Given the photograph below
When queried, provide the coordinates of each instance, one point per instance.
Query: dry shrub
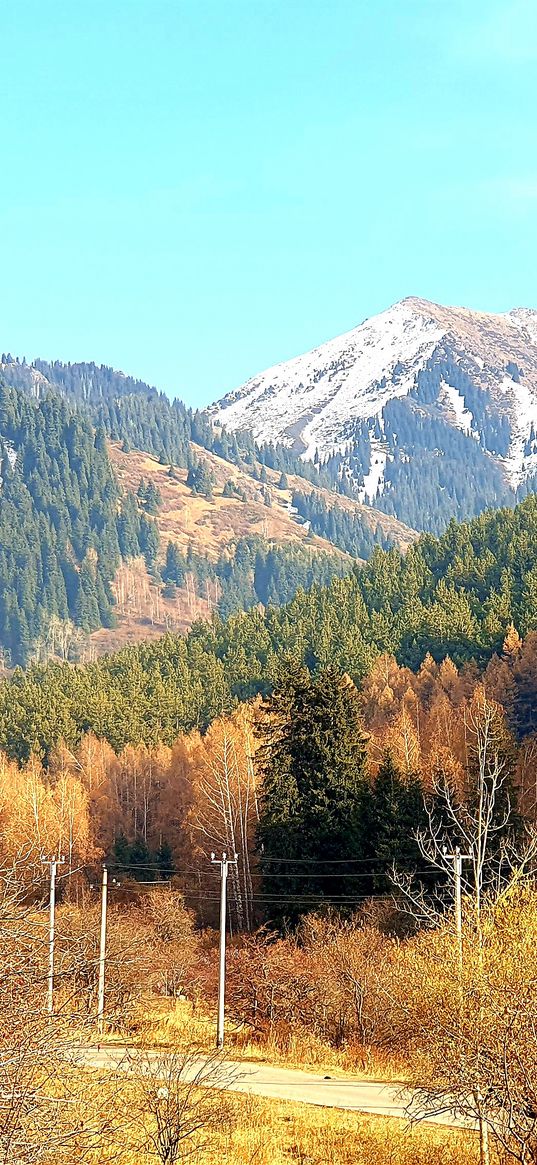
(309, 996)
(178, 1106)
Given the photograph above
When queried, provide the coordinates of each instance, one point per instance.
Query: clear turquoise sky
(192, 190)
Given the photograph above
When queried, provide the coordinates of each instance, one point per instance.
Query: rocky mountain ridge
(416, 384)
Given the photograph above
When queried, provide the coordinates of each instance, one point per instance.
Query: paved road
(284, 1084)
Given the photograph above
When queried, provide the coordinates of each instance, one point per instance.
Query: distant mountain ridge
(125, 513)
(406, 402)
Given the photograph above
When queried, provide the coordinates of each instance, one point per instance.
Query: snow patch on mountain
(523, 414)
(451, 397)
(373, 486)
(11, 453)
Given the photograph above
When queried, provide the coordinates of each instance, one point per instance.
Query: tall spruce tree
(394, 810)
(313, 760)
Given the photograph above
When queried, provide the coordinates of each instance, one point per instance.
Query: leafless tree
(180, 1105)
(42, 1117)
(227, 808)
(478, 819)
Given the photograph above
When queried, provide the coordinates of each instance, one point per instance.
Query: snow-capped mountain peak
(307, 401)
(397, 386)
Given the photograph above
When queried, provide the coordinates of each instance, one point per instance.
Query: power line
(342, 875)
(172, 872)
(262, 860)
(322, 861)
(312, 898)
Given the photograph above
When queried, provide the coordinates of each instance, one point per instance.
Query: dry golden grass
(169, 1023)
(272, 1132)
(255, 1131)
(209, 525)
(279, 1132)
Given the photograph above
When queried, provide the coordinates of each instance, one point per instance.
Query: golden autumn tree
(403, 743)
(225, 813)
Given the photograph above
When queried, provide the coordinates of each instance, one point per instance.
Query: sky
(193, 190)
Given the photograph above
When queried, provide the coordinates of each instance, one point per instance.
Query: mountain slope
(61, 526)
(210, 532)
(390, 400)
(211, 523)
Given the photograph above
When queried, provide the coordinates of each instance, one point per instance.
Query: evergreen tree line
(490, 428)
(251, 571)
(63, 527)
(435, 472)
(454, 596)
(344, 529)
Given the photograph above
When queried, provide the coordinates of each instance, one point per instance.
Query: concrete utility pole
(457, 858)
(102, 952)
(53, 864)
(223, 863)
(102, 949)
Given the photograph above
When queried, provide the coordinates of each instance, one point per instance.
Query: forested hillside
(453, 596)
(67, 522)
(63, 525)
(184, 521)
(231, 538)
(143, 418)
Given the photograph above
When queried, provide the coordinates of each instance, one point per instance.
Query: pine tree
(164, 860)
(153, 498)
(313, 760)
(128, 527)
(395, 811)
(149, 541)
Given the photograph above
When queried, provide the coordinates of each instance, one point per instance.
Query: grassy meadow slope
(210, 525)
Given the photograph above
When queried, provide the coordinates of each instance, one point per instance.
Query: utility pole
(102, 952)
(53, 864)
(457, 858)
(223, 863)
(102, 949)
